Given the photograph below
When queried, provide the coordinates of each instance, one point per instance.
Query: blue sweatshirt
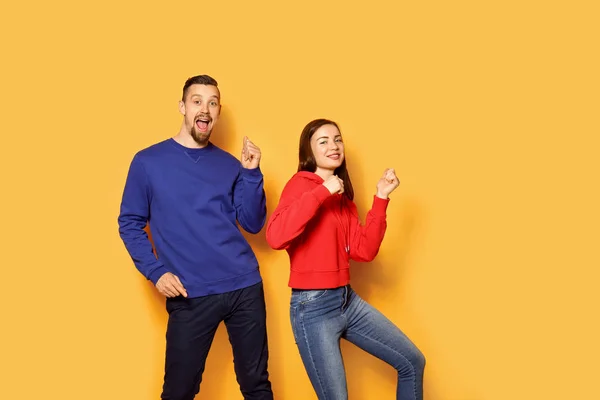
(191, 199)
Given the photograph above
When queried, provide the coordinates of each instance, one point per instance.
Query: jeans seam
(397, 352)
(294, 318)
(321, 387)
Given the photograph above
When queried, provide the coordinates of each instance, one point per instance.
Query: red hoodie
(322, 232)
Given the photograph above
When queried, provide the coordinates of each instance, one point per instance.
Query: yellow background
(488, 110)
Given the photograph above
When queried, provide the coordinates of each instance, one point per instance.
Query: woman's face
(327, 147)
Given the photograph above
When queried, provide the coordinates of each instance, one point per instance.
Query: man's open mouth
(202, 123)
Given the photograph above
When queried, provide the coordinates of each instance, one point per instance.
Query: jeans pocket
(174, 304)
(312, 295)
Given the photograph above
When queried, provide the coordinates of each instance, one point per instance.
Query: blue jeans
(321, 317)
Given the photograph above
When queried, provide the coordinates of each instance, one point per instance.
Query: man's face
(201, 110)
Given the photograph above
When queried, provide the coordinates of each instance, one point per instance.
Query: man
(192, 193)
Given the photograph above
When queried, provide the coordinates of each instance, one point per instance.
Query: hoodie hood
(310, 176)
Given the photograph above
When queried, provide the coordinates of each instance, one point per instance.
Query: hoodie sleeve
(298, 204)
(366, 239)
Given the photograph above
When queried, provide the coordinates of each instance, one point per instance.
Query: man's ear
(181, 107)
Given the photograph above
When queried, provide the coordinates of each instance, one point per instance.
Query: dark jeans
(190, 332)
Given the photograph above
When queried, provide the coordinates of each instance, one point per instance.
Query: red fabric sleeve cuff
(380, 206)
(321, 193)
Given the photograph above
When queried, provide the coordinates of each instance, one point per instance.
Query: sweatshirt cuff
(321, 193)
(157, 273)
(254, 174)
(380, 206)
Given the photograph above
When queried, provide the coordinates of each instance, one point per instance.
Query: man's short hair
(198, 80)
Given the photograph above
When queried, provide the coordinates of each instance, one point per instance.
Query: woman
(317, 222)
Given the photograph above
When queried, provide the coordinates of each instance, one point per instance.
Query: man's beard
(200, 137)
